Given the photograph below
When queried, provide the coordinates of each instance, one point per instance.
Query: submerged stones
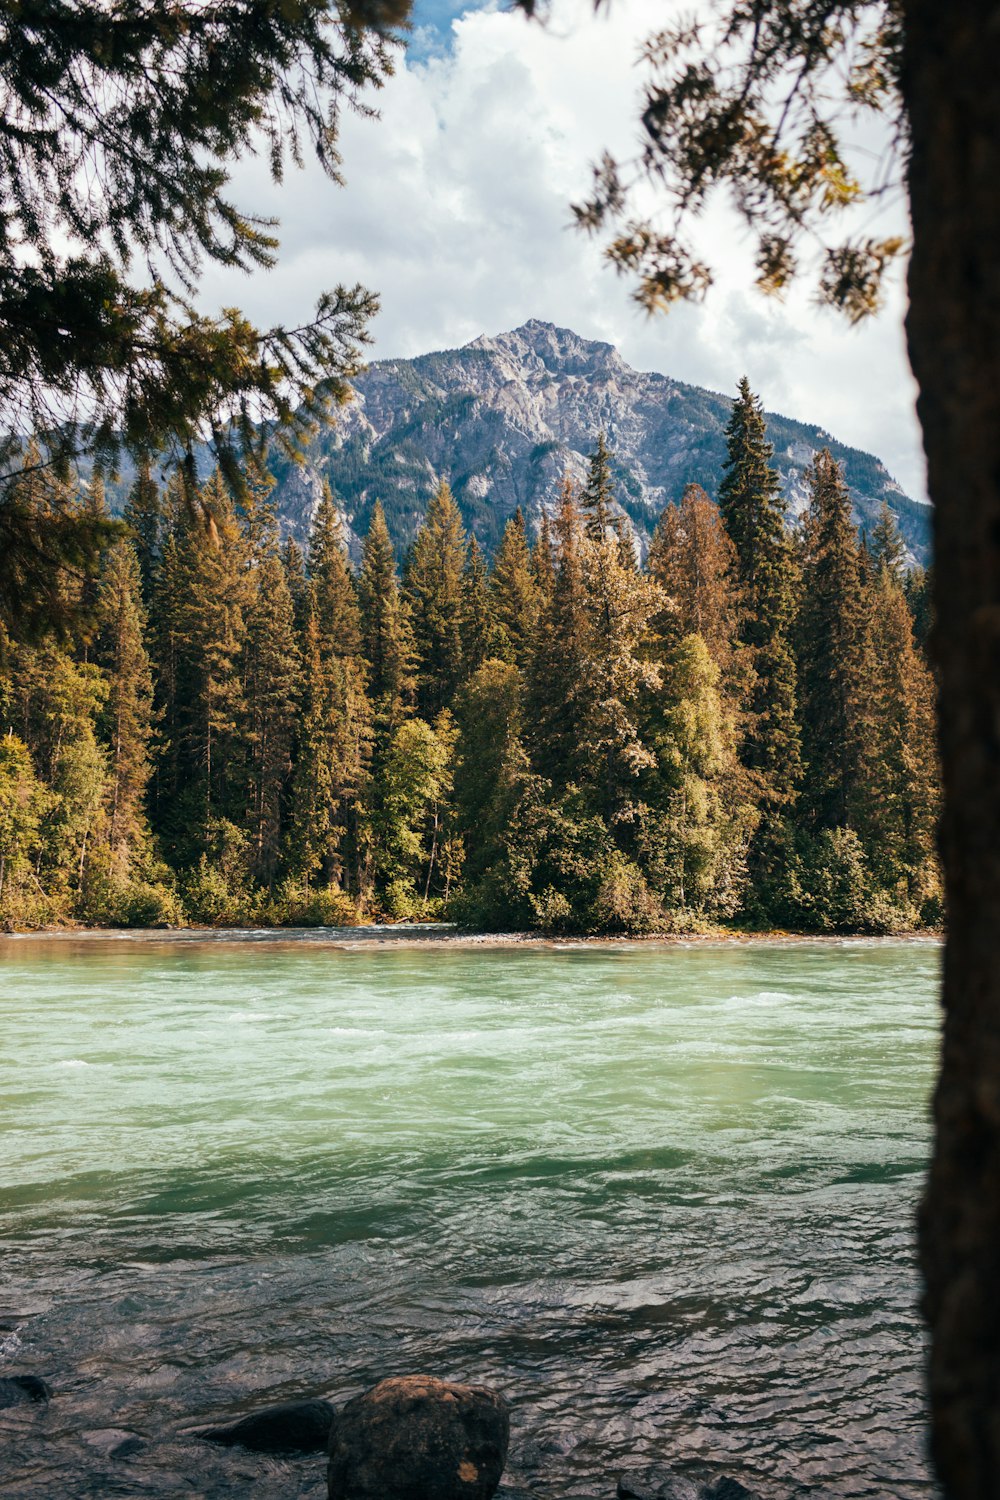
(290, 1427)
(19, 1390)
(652, 1484)
(419, 1438)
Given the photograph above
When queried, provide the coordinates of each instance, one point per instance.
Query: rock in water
(292, 1427)
(417, 1438)
(656, 1485)
(15, 1390)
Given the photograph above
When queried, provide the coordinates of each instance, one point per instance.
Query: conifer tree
(127, 710)
(166, 639)
(143, 515)
(542, 565)
(694, 561)
(836, 671)
(490, 761)
(515, 595)
(611, 753)
(271, 676)
(598, 495)
(334, 749)
(558, 670)
(478, 630)
(433, 588)
(751, 506)
(23, 804)
(905, 800)
(294, 563)
(387, 639)
(918, 589)
(887, 548)
(212, 593)
(694, 834)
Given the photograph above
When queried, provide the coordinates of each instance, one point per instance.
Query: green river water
(661, 1196)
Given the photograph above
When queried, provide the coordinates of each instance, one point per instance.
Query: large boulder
(291, 1427)
(418, 1438)
(17, 1390)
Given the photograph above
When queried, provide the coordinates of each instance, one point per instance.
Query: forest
(211, 728)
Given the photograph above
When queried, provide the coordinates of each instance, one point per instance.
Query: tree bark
(952, 94)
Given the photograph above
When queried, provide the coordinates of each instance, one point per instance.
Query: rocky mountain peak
(505, 417)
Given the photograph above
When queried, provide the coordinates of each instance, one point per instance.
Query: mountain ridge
(505, 416)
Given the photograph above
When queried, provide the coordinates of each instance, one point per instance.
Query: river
(660, 1195)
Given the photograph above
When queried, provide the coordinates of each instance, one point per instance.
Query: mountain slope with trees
(503, 419)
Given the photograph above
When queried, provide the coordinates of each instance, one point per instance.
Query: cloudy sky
(456, 211)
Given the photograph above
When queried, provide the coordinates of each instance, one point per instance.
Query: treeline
(217, 729)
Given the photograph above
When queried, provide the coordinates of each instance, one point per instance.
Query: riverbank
(444, 934)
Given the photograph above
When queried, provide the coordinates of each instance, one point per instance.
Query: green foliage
(608, 746)
(754, 100)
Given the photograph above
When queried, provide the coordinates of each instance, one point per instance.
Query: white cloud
(457, 211)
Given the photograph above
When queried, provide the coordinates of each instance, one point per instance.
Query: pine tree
(387, 639)
(128, 708)
(751, 506)
(836, 668)
(433, 589)
(515, 595)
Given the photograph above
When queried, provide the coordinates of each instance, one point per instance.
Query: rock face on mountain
(503, 419)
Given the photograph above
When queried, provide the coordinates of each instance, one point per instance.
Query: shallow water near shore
(661, 1196)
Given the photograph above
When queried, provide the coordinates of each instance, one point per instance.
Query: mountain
(504, 418)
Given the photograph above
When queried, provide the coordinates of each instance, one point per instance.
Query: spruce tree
(490, 762)
(598, 495)
(478, 630)
(836, 668)
(294, 562)
(387, 638)
(127, 711)
(618, 676)
(887, 548)
(557, 673)
(751, 506)
(905, 801)
(433, 588)
(515, 595)
(333, 758)
(143, 515)
(542, 564)
(271, 676)
(208, 629)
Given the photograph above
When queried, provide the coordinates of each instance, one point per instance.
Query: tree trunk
(952, 92)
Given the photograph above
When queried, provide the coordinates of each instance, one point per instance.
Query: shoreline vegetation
(447, 935)
(736, 731)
